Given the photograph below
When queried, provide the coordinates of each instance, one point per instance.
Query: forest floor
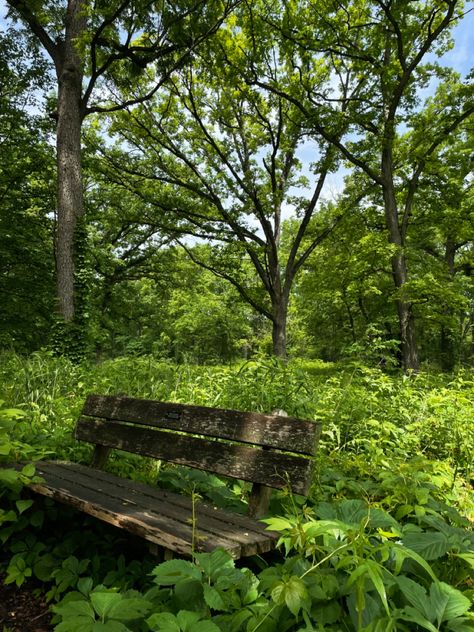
(22, 611)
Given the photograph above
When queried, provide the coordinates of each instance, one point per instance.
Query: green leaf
(9, 477)
(12, 413)
(187, 619)
(467, 557)
(277, 524)
(413, 615)
(336, 528)
(163, 622)
(447, 602)
(213, 563)
(44, 566)
(431, 545)
(28, 470)
(187, 592)
(104, 601)
(213, 598)
(401, 553)
(129, 609)
(173, 571)
(109, 626)
(415, 594)
(205, 626)
(23, 505)
(463, 624)
(75, 608)
(84, 585)
(75, 624)
(292, 592)
(375, 574)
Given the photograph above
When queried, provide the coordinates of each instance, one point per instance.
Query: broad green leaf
(187, 592)
(401, 553)
(213, 598)
(321, 527)
(278, 524)
(187, 619)
(292, 592)
(448, 602)
(75, 608)
(75, 624)
(172, 571)
(212, 563)
(129, 609)
(238, 620)
(463, 624)
(109, 626)
(103, 601)
(205, 626)
(431, 545)
(369, 606)
(415, 594)
(84, 585)
(44, 566)
(355, 511)
(8, 476)
(296, 595)
(413, 615)
(163, 622)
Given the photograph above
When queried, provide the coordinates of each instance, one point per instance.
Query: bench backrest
(271, 450)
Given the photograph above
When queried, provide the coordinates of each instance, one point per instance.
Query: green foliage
(382, 542)
(350, 568)
(14, 515)
(26, 194)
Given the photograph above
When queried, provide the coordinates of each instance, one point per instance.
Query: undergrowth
(383, 542)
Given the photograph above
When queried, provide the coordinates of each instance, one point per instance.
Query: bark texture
(69, 71)
(408, 344)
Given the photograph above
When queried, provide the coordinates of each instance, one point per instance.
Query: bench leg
(160, 552)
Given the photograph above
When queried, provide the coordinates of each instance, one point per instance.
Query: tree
(96, 48)
(216, 159)
(26, 202)
(444, 233)
(379, 47)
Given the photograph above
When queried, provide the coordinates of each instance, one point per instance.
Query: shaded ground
(21, 611)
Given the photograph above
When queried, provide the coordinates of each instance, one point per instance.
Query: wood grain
(274, 469)
(282, 432)
(160, 517)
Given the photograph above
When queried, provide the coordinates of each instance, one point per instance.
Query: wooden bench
(270, 451)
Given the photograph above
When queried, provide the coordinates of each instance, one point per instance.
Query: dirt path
(21, 611)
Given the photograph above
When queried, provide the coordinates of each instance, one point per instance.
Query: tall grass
(362, 410)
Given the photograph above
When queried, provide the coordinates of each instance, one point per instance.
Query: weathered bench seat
(268, 450)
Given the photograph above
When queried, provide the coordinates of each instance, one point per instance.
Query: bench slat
(159, 520)
(249, 535)
(243, 462)
(285, 433)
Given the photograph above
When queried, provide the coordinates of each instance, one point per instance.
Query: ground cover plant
(384, 540)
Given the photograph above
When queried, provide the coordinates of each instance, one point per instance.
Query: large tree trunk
(69, 70)
(408, 344)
